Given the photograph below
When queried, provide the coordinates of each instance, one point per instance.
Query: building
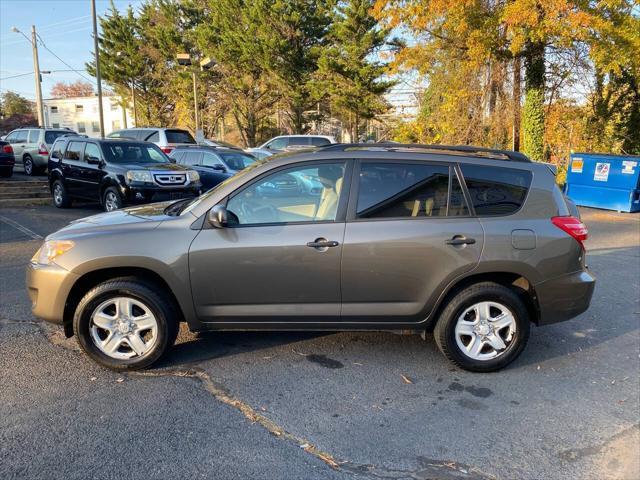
(81, 114)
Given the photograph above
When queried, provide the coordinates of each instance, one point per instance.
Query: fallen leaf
(93, 379)
(120, 380)
(357, 363)
(304, 445)
(406, 379)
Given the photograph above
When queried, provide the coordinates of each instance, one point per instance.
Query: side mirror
(219, 168)
(93, 161)
(218, 216)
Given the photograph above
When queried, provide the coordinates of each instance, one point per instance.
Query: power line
(65, 63)
(16, 76)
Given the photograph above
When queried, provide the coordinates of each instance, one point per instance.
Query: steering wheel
(252, 211)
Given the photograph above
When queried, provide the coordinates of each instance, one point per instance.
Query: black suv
(116, 172)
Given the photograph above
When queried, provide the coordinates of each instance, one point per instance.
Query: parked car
(290, 142)
(7, 159)
(116, 172)
(31, 146)
(165, 138)
(259, 153)
(472, 244)
(212, 163)
(219, 143)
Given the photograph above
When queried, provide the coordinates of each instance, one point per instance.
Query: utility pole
(36, 70)
(97, 57)
(517, 67)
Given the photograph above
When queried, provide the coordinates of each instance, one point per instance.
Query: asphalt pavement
(307, 406)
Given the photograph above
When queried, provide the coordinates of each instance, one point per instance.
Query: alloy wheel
(485, 330)
(57, 194)
(110, 202)
(28, 166)
(123, 328)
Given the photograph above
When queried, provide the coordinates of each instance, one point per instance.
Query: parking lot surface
(345, 405)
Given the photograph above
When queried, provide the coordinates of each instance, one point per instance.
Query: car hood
(174, 167)
(144, 216)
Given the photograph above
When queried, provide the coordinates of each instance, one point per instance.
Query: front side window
(56, 151)
(319, 141)
(92, 152)
(300, 194)
(496, 190)
(237, 161)
(396, 190)
(192, 158)
(74, 151)
(33, 136)
(20, 136)
(210, 160)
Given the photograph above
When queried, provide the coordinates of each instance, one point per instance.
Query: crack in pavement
(429, 469)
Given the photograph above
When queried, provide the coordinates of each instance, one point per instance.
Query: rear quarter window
(496, 190)
(179, 136)
(51, 135)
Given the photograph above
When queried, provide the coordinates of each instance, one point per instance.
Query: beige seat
(329, 202)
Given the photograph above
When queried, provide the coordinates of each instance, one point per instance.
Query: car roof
(210, 148)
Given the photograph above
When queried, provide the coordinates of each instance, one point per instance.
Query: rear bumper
(48, 287)
(564, 297)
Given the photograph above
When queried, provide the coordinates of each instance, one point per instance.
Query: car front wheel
(123, 324)
(483, 328)
(111, 200)
(61, 198)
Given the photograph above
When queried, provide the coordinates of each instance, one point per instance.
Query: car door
(18, 140)
(279, 258)
(91, 171)
(409, 233)
(72, 164)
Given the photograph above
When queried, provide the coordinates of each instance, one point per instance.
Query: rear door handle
(460, 240)
(322, 243)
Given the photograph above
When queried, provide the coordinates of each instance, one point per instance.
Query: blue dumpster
(604, 181)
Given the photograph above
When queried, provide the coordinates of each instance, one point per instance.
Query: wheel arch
(512, 280)
(90, 279)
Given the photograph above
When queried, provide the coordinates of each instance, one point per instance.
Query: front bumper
(150, 194)
(564, 297)
(48, 287)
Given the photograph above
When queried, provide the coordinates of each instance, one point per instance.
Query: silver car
(165, 138)
(32, 146)
(471, 244)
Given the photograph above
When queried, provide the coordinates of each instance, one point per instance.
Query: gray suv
(32, 146)
(471, 244)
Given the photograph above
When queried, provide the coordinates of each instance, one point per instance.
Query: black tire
(6, 172)
(111, 199)
(61, 198)
(137, 289)
(29, 167)
(445, 336)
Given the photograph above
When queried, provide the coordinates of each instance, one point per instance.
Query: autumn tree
(72, 89)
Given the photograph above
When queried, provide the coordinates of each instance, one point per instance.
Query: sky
(66, 29)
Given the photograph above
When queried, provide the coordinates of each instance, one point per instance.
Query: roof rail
(468, 149)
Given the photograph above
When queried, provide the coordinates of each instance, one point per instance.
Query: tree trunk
(533, 112)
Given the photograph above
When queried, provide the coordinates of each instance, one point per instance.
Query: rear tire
(484, 327)
(123, 324)
(29, 167)
(61, 198)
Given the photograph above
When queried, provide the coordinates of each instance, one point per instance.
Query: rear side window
(496, 190)
(179, 136)
(51, 135)
(397, 190)
(319, 141)
(33, 136)
(154, 137)
(298, 141)
(74, 151)
(192, 158)
(143, 134)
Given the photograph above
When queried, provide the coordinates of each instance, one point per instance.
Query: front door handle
(322, 243)
(460, 240)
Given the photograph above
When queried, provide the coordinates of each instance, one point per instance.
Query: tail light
(167, 150)
(42, 149)
(7, 149)
(573, 226)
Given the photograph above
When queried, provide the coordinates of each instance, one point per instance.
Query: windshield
(187, 207)
(131, 152)
(237, 160)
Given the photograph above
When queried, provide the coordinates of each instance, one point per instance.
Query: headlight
(139, 176)
(50, 250)
(193, 176)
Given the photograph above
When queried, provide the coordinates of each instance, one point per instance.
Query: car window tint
(115, 135)
(74, 151)
(51, 135)
(457, 203)
(192, 158)
(92, 150)
(319, 141)
(33, 136)
(131, 152)
(210, 159)
(279, 144)
(154, 137)
(21, 136)
(496, 190)
(143, 134)
(237, 161)
(176, 155)
(300, 194)
(298, 140)
(388, 190)
(179, 136)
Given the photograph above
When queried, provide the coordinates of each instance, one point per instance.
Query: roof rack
(445, 149)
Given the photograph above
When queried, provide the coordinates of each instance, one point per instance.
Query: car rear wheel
(123, 324)
(29, 168)
(61, 198)
(111, 200)
(483, 328)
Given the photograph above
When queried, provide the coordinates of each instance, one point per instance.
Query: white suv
(165, 138)
(292, 142)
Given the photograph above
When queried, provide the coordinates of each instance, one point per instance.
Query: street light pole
(97, 57)
(195, 100)
(36, 69)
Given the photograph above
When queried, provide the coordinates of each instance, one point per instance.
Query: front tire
(484, 327)
(111, 200)
(61, 198)
(123, 324)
